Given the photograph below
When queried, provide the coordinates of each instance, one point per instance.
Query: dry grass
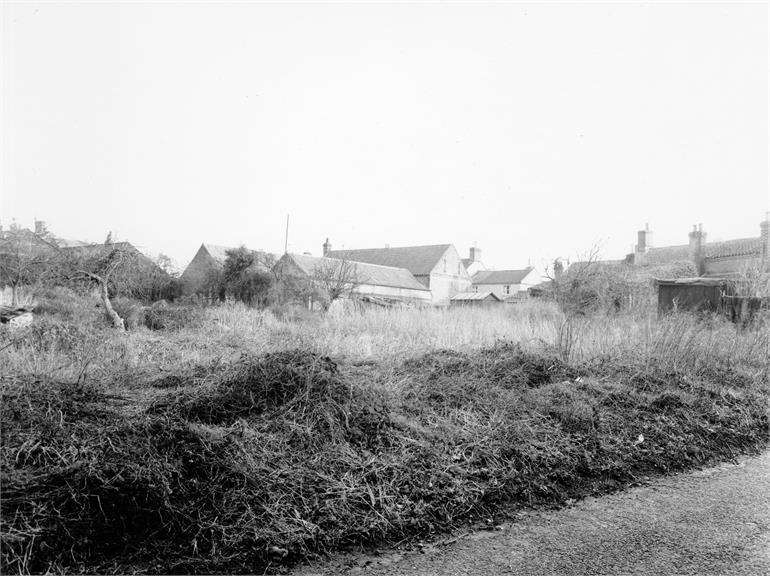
(244, 440)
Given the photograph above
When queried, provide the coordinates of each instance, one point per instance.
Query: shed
(483, 299)
(691, 294)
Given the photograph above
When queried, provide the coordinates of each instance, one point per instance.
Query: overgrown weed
(247, 441)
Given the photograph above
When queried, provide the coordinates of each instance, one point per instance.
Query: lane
(708, 522)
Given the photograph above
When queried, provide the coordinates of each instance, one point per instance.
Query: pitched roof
(218, 253)
(737, 247)
(724, 249)
(501, 276)
(666, 254)
(98, 250)
(697, 281)
(419, 260)
(70, 243)
(476, 296)
(95, 249)
(371, 274)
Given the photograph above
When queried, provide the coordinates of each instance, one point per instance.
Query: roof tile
(371, 274)
(501, 276)
(419, 260)
(737, 247)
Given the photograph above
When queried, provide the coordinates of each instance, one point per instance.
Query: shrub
(222, 463)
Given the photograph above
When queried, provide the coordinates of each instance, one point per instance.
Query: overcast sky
(530, 130)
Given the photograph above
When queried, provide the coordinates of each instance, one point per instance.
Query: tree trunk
(117, 321)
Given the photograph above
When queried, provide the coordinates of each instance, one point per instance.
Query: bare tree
(336, 278)
(753, 281)
(167, 265)
(574, 291)
(99, 266)
(26, 258)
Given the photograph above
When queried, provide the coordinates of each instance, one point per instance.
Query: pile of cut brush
(277, 457)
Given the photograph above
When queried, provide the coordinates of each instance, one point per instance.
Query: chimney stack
(764, 228)
(644, 240)
(327, 248)
(475, 254)
(697, 246)
(39, 227)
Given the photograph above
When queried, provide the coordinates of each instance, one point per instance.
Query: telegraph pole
(286, 241)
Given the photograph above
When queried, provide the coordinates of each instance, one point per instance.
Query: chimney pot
(643, 240)
(697, 247)
(764, 233)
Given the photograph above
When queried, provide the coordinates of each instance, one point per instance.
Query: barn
(202, 275)
(437, 267)
(367, 279)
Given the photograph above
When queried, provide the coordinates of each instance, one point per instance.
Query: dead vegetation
(246, 465)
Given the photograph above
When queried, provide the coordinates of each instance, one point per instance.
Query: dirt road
(714, 521)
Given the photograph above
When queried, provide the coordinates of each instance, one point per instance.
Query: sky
(529, 130)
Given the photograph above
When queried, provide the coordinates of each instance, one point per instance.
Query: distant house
(723, 259)
(203, 273)
(437, 267)
(42, 242)
(385, 282)
(509, 285)
(475, 299)
(84, 250)
(139, 274)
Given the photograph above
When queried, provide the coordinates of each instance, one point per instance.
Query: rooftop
(218, 253)
(419, 260)
(371, 274)
(475, 296)
(501, 276)
(697, 281)
(737, 247)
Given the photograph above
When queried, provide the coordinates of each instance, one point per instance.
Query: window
(475, 288)
(507, 288)
(444, 261)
